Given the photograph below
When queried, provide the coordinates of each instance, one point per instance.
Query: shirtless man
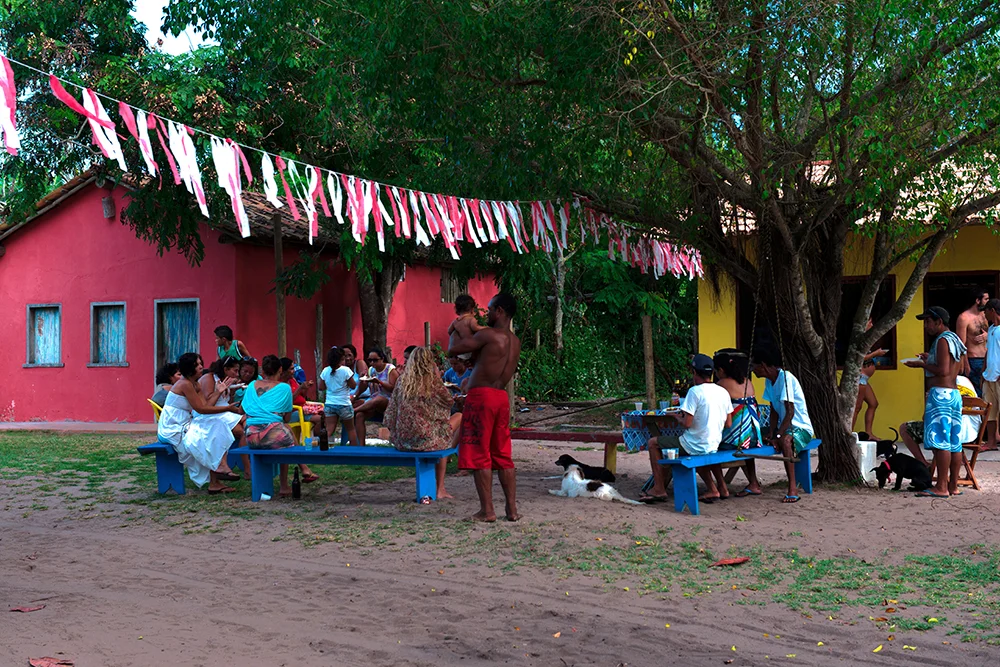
(971, 327)
(485, 436)
(942, 426)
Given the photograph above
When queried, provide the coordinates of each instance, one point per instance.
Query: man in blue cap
(705, 411)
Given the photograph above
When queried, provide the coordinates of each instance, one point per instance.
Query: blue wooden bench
(264, 462)
(686, 482)
(169, 471)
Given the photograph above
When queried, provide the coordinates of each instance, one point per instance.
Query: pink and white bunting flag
(270, 185)
(139, 126)
(517, 225)
(183, 149)
(336, 197)
(422, 237)
(484, 207)
(282, 165)
(100, 123)
(8, 107)
(304, 188)
(400, 199)
(226, 157)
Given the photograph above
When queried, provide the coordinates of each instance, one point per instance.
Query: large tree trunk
(375, 295)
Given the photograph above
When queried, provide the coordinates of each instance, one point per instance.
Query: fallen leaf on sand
(819, 643)
(730, 561)
(932, 620)
(891, 638)
(734, 648)
(890, 610)
(881, 619)
(789, 655)
(25, 610)
(877, 649)
(666, 625)
(909, 648)
(440, 571)
(727, 662)
(557, 635)
(516, 628)
(49, 662)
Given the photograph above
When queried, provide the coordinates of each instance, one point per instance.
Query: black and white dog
(599, 473)
(576, 485)
(901, 465)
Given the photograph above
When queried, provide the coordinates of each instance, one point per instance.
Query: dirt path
(125, 587)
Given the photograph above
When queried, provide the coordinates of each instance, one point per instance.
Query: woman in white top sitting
(227, 367)
(199, 430)
(382, 377)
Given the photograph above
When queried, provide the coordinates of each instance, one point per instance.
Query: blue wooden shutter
(177, 330)
(109, 334)
(44, 335)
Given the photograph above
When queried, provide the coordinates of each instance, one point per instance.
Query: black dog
(904, 466)
(883, 448)
(600, 474)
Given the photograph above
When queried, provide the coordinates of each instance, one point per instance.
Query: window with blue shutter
(107, 334)
(44, 335)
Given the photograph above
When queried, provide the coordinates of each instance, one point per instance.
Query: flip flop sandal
(747, 492)
(708, 500)
(930, 494)
(225, 489)
(309, 479)
(228, 477)
(788, 500)
(652, 500)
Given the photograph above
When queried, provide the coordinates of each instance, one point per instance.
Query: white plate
(903, 361)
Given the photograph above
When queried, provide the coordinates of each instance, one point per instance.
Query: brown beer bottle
(324, 438)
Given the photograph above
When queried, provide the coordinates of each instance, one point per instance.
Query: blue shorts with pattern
(943, 420)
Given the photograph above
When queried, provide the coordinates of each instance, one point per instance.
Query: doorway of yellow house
(952, 291)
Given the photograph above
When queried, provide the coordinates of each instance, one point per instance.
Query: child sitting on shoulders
(227, 346)
(466, 324)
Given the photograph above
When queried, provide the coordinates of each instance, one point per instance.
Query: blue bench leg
(803, 471)
(426, 479)
(685, 489)
(263, 478)
(169, 473)
(343, 436)
(235, 461)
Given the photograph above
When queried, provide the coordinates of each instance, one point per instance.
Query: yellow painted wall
(900, 392)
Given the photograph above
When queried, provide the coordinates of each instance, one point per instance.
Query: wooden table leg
(611, 456)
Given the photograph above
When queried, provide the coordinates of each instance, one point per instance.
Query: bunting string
(416, 216)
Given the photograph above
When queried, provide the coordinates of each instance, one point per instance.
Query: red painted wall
(74, 256)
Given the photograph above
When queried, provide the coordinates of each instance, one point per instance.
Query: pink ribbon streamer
(280, 162)
(8, 108)
(140, 132)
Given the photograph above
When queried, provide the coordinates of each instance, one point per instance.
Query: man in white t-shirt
(706, 411)
(789, 429)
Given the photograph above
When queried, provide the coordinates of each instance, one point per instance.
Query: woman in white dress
(200, 431)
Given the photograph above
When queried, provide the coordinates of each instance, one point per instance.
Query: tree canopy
(764, 133)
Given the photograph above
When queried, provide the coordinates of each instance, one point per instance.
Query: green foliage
(602, 355)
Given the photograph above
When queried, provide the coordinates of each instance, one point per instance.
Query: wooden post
(511, 386)
(350, 325)
(427, 335)
(647, 354)
(320, 348)
(279, 293)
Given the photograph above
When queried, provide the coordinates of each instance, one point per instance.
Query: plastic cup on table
(308, 443)
(672, 453)
(638, 406)
(664, 405)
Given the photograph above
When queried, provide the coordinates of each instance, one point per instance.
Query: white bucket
(865, 455)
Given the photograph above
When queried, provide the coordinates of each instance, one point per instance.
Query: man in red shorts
(484, 443)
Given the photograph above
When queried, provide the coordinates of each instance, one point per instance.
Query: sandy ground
(145, 593)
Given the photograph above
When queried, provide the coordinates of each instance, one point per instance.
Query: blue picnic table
(264, 462)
